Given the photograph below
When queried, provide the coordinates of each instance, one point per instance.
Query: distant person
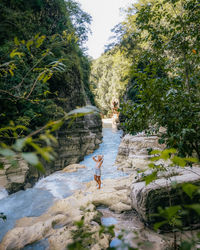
(115, 107)
(97, 170)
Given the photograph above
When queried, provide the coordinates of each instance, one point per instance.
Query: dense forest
(40, 41)
(43, 62)
(153, 68)
(109, 78)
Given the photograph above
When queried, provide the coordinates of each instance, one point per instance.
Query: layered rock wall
(82, 138)
(74, 142)
(133, 151)
(162, 192)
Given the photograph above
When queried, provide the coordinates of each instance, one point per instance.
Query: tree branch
(19, 85)
(10, 94)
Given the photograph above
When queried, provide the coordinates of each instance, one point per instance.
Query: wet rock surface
(59, 185)
(145, 199)
(135, 234)
(115, 202)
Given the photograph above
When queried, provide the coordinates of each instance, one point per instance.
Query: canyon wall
(75, 141)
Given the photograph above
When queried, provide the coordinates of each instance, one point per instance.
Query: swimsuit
(97, 170)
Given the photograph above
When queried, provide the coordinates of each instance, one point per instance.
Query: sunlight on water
(36, 200)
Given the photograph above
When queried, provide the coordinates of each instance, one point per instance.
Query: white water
(36, 200)
(3, 193)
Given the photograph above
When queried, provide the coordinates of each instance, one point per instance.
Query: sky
(105, 15)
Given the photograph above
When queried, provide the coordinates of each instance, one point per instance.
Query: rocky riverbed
(114, 203)
(57, 223)
(117, 202)
(35, 201)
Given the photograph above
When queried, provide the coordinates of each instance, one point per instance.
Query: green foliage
(177, 211)
(20, 143)
(107, 230)
(109, 77)
(50, 17)
(84, 236)
(150, 178)
(161, 39)
(41, 55)
(41, 59)
(169, 156)
(32, 96)
(187, 245)
(189, 189)
(194, 207)
(170, 216)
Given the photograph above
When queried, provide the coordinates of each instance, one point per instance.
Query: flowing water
(126, 222)
(36, 200)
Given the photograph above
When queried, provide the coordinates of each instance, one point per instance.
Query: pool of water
(35, 201)
(40, 245)
(124, 224)
(116, 243)
(109, 221)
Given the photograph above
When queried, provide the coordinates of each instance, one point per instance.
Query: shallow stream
(35, 201)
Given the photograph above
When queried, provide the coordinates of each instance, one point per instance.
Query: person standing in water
(97, 170)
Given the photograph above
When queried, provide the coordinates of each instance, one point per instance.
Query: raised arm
(101, 162)
(94, 158)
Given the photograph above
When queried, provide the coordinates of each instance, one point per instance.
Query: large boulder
(164, 192)
(133, 151)
(13, 178)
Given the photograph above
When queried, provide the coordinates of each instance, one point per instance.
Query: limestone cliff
(145, 199)
(133, 151)
(82, 138)
(74, 142)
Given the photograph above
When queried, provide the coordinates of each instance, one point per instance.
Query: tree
(161, 38)
(42, 61)
(38, 40)
(109, 77)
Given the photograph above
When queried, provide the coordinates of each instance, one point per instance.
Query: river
(35, 201)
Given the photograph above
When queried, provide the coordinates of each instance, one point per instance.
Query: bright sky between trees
(105, 14)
